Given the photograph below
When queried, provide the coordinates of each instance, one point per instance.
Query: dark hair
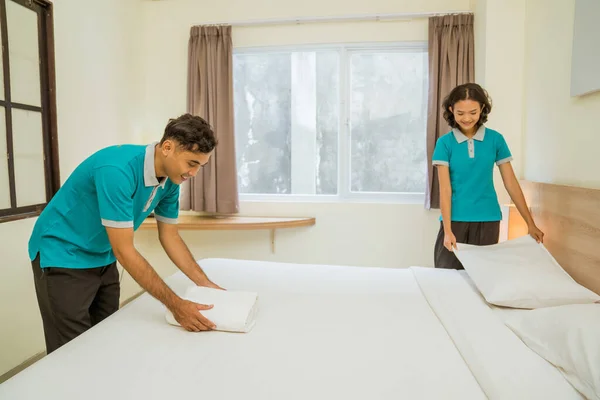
(191, 133)
(467, 91)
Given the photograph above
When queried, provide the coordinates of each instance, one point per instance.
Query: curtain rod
(340, 18)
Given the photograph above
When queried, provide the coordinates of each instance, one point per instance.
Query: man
(89, 225)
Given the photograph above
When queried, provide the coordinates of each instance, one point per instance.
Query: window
(28, 144)
(338, 121)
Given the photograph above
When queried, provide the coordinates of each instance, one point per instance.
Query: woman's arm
(446, 206)
(516, 194)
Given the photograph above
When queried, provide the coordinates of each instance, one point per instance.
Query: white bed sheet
(502, 364)
(322, 332)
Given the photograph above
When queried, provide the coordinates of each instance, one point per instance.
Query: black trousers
(477, 233)
(72, 301)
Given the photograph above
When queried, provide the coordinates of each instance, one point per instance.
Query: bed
(323, 332)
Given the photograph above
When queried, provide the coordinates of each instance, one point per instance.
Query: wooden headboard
(570, 219)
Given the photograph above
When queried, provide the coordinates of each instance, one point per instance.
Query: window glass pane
(23, 54)
(4, 180)
(286, 122)
(28, 151)
(262, 103)
(388, 114)
(287, 110)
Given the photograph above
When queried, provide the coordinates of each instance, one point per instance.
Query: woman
(465, 159)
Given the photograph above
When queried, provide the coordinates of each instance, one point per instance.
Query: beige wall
(125, 92)
(499, 68)
(389, 235)
(561, 132)
(384, 235)
(98, 97)
(167, 25)
(21, 333)
(112, 90)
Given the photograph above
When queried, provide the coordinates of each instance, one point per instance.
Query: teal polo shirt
(115, 187)
(471, 163)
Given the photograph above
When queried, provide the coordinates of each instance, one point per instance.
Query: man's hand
(188, 315)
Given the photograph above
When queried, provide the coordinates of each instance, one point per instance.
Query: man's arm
(115, 188)
(121, 240)
(185, 312)
(181, 256)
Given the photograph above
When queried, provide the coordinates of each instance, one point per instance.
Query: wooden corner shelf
(198, 222)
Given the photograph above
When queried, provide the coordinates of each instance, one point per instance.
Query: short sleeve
(115, 197)
(441, 155)
(503, 154)
(167, 210)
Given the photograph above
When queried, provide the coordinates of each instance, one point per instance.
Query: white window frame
(344, 144)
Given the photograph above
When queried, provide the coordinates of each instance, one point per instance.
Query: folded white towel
(233, 311)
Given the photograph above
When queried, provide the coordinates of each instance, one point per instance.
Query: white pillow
(521, 273)
(569, 338)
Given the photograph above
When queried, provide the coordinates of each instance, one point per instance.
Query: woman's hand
(450, 241)
(536, 233)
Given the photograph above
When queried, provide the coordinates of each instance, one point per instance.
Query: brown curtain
(210, 96)
(451, 63)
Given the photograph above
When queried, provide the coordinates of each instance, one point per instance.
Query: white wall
(112, 90)
(561, 138)
(98, 76)
(481, 15)
(98, 99)
(389, 235)
(21, 334)
(385, 235)
(499, 68)
(167, 25)
(121, 75)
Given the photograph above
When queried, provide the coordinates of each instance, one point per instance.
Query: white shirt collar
(460, 137)
(150, 178)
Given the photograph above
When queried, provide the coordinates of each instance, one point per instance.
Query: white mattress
(322, 332)
(502, 364)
